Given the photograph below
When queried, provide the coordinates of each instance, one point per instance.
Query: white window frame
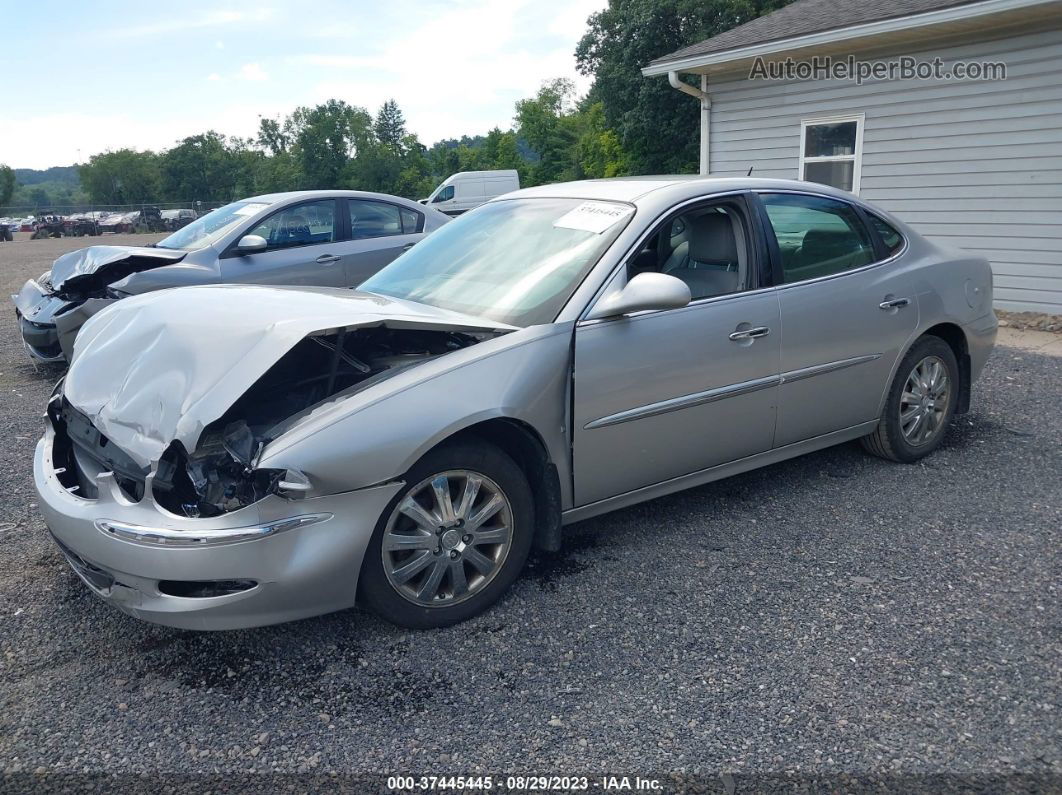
(855, 159)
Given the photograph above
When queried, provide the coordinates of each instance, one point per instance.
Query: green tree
(273, 136)
(7, 184)
(326, 137)
(546, 122)
(200, 167)
(598, 150)
(122, 177)
(655, 124)
(572, 141)
(390, 125)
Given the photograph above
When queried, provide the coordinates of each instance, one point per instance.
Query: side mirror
(646, 291)
(422, 201)
(251, 243)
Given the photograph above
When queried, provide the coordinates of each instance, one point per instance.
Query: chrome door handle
(750, 333)
(895, 303)
(408, 246)
(327, 259)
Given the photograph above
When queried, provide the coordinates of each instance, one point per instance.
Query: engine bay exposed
(219, 475)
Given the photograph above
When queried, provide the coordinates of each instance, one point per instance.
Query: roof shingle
(808, 16)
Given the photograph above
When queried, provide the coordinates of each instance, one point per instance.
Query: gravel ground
(832, 614)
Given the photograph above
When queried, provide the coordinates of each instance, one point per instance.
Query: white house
(950, 116)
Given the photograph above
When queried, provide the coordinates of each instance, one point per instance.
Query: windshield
(514, 262)
(211, 227)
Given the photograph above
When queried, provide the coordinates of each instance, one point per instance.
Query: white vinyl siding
(974, 164)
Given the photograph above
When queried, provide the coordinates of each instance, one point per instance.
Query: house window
(831, 151)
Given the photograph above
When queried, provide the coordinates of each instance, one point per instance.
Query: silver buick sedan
(561, 352)
(326, 238)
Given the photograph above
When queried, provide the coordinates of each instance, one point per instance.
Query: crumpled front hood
(88, 261)
(161, 366)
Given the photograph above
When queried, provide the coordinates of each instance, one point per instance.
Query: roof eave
(838, 35)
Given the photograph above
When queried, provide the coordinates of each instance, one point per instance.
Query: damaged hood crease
(160, 367)
(102, 262)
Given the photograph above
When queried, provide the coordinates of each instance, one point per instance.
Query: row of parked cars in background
(90, 224)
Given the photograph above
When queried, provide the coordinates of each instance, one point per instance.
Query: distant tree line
(627, 124)
(338, 145)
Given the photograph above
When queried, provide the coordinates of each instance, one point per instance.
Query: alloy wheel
(447, 538)
(924, 401)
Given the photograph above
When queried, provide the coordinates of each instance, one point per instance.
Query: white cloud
(176, 23)
(253, 71)
(461, 71)
(454, 69)
(44, 141)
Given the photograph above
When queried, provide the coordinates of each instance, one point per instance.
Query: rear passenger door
(848, 311)
(301, 248)
(379, 232)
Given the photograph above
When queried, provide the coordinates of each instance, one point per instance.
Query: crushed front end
(204, 538)
(51, 308)
(272, 560)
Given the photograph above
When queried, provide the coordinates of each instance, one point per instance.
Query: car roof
(274, 198)
(638, 189)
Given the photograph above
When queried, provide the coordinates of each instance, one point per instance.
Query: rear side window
(816, 236)
(892, 239)
(373, 219)
(411, 222)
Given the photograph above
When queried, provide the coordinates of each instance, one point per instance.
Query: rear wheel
(452, 541)
(920, 404)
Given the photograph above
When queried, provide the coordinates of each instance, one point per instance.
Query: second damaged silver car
(324, 238)
(555, 354)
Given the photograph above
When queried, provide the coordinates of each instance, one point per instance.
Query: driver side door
(662, 394)
(302, 249)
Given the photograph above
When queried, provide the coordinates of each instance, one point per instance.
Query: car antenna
(750, 171)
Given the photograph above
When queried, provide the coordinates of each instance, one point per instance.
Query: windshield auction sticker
(250, 209)
(593, 217)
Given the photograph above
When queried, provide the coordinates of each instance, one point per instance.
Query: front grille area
(81, 452)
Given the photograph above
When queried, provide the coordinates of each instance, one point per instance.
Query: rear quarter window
(892, 239)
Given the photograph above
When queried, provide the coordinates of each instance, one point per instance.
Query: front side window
(816, 236)
(301, 225)
(831, 151)
(706, 247)
(444, 195)
(373, 219)
(515, 261)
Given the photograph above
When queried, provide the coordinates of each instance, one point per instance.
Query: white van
(467, 189)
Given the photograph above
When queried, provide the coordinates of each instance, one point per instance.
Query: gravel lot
(832, 614)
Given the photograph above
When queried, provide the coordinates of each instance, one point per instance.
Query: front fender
(377, 435)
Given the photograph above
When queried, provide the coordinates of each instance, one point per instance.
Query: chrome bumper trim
(160, 536)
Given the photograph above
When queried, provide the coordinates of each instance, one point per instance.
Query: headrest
(827, 242)
(712, 238)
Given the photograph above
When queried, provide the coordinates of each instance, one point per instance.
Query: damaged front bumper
(50, 323)
(273, 561)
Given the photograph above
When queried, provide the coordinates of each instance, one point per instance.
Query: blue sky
(88, 77)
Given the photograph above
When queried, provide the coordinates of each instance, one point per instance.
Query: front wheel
(452, 541)
(920, 404)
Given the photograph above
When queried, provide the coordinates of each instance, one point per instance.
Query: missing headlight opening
(219, 475)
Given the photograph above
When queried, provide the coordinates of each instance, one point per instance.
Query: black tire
(888, 440)
(478, 457)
